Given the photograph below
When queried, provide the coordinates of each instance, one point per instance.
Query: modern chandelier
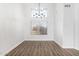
(39, 12)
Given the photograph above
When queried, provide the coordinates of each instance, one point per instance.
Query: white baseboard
(5, 52)
(68, 47)
(64, 46)
(60, 44)
(77, 48)
(38, 40)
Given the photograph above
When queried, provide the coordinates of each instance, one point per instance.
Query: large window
(39, 22)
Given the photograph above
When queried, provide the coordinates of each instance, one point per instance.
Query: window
(39, 22)
(39, 27)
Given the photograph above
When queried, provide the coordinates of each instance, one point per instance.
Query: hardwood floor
(41, 48)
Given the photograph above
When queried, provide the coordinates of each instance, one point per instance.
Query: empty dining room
(39, 29)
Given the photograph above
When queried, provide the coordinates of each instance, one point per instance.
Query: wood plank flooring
(41, 48)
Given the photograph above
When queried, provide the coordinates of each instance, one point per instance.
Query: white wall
(76, 26)
(28, 19)
(65, 27)
(71, 27)
(11, 26)
(58, 21)
(68, 27)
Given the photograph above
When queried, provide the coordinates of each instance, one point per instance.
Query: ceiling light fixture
(39, 12)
